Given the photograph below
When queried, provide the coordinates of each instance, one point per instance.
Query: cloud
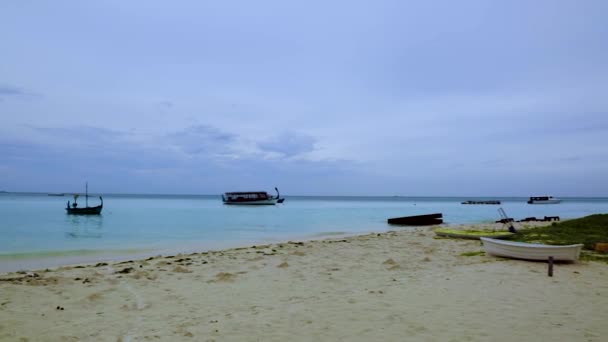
(10, 90)
(80, 135)
(391, 94)
(202, 139)
(289, 144)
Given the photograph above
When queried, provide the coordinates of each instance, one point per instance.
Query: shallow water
(35, 227)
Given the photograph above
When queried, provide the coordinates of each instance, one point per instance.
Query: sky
(411, 98)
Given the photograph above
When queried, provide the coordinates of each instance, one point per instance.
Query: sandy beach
(394, 286)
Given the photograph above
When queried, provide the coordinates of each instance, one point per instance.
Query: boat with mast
(74, 210)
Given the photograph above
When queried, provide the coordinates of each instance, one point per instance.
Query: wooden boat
(252, 198)
(73, 209)
(481, 202)
(471, 234)
(531, 251)
(418, 220)
(543, 200)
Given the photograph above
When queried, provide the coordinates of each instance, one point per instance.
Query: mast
(86, 196)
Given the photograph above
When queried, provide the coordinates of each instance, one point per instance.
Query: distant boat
(252, 198)
(55, 194)
(531, 251)
(543, 200)
(481, 202)
(74, 210)
(418, 220)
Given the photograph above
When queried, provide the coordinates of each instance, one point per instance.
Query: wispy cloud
(166, 104)
(289, 144)
(10, 90)
(202, 139)
(81, 135)
(7, 91)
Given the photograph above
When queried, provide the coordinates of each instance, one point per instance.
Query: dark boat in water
(418, 220)
(481, 202)
(252, 198)
(73, 209)
(543, 200)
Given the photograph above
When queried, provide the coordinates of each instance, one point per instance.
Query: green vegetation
(474, 253)
(587, 230)
(590, 256)
(470, 233)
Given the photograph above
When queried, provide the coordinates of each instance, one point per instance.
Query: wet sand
(394, 286)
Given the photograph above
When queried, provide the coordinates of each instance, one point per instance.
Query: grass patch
(587, 230)
(474, 253)
(471, 232)
(590, 256)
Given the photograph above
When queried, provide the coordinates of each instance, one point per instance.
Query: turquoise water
(35, 227)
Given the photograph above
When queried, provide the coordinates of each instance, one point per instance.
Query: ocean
(36, 232)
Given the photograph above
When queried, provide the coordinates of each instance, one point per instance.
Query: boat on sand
(531, 251)
(418, 220)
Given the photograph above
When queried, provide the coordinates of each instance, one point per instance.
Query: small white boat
(531, 251)
(543, 200)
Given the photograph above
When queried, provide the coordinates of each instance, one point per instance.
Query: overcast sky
(413, 98)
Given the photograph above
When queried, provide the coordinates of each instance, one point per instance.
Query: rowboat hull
(531, 251)
(553, 201)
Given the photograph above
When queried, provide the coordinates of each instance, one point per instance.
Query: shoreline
(367, 287)
(10, 264)
(23, 262)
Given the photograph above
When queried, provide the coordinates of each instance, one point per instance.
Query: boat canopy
(248, 193)
(541, 198)
(247, 196)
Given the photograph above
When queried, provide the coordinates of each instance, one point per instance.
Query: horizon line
(295, 195)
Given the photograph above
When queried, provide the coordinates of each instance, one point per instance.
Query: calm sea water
(36, 231)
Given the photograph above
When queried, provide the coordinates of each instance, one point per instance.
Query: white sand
(396, 286)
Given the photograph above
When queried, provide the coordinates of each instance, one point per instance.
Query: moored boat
(251, 198)
(531, 251)
(73, 209)
(481, 202)
(543, 200)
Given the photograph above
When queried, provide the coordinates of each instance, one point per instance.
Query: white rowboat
(531, 251)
